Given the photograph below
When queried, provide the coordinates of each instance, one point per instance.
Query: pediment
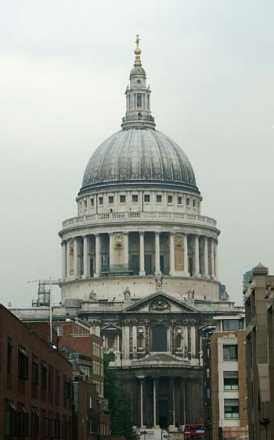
(160, 302)
(110, 328)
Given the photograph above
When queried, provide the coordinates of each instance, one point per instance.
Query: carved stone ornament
(159, 305)
(92, 294)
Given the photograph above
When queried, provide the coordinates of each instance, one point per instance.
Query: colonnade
(180, 404)
(187, 254)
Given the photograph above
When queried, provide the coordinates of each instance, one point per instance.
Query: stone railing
(138, 216)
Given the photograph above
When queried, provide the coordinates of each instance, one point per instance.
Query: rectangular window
(194, 203)
(10, 418)
(101, 200)
(44, 376)
(169, 199)
(110, 199)
(231, 409)
(23, 364)
(147, 198)
(139, 100)
(158, 198)
(135, 198)
(180, 200)
(34, 422)
(187, 201)
(92, 202)
(9, 356)
(232, 324)
(231, 380)
(57, 388)
(230, 352)
(35, 372)
(122, 198)
(85, 203)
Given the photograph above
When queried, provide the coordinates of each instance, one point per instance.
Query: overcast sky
(64, 66)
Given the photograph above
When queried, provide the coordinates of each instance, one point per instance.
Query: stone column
(193, 341)
(97, 255)
(134, 340)
(111, 251)
(216, 260)
(185, 402)
(126, 249)
(155, 403)
(64, 259)
(186, 269)
(125, 342)
(206, 257)
(157, 253)
(141, 379)
(197, 256)
(171, 253)
(86, 257)
(68, 257)
(185, 342)
(76, 257)
(212, 258)
(173, 402)
(142, 254)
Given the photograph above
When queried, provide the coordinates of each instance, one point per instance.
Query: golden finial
(137, 52)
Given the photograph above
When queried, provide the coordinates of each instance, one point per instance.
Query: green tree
(119, 405)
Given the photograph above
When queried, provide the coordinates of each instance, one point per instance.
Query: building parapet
(135, 216)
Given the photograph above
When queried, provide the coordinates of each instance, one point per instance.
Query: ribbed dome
(139, 156)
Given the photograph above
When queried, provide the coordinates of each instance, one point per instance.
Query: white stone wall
(171, 201)
(110, 287)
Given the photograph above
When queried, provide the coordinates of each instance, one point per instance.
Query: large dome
(139, 156)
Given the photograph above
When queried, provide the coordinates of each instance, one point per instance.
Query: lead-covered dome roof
(139, 156)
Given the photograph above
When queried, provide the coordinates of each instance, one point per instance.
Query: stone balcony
(129, 217)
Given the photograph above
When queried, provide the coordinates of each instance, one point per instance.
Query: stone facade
(258, 297)
(228, 386)
(140, 264)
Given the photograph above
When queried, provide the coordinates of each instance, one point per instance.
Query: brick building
(225, 371)
(84, 351)
(35, 384)
(78, 338)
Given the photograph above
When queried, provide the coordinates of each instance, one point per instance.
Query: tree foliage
(119, 405)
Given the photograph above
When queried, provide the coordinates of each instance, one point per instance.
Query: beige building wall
(233, 427)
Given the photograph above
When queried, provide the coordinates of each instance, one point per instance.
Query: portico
(167, 401)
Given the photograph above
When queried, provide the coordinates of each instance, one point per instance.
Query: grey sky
(64, 66)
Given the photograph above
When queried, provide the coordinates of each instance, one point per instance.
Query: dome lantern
(138, 114)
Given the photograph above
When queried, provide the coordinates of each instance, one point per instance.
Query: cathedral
(140, 263)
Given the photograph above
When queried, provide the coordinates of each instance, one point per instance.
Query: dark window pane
(159, 338)
(230, 352)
